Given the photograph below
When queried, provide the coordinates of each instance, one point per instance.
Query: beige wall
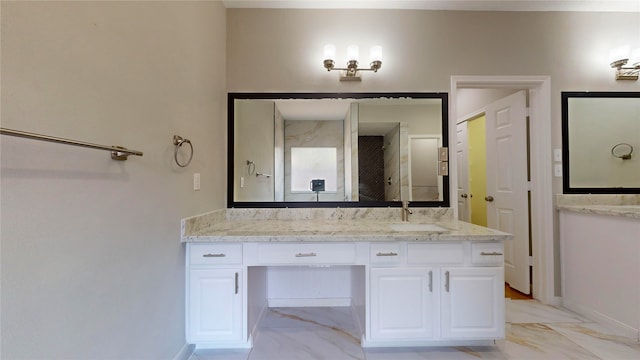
(282, 50)
(92, 266)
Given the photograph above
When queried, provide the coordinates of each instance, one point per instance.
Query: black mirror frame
(566, 184)
(232, 96)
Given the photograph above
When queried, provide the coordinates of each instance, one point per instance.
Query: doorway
(541, 210)
(477, 170)
(498, 184)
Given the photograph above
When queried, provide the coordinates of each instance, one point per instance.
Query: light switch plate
(196, 181)
(443, 168)
(557, 154)
(557, 170)
(443, 154)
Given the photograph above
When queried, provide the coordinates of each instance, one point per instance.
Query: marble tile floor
(534, 331)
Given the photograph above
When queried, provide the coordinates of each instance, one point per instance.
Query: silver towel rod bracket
(119, 155)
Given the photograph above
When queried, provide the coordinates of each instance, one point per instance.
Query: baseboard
(358, 320)
(555, 301)
(185, 353)
(602, 319)
(253, 332)
(424, 343)
(320, 302)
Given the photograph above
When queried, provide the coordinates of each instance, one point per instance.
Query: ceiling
(465, 5)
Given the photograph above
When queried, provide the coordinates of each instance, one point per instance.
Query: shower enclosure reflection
(370, 149)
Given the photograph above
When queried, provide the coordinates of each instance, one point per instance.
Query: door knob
(464, 196)
(489, 198)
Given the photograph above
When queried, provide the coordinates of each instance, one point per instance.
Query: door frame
(539, 88)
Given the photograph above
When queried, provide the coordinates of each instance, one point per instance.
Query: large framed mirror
(337, 149)
(601, 142)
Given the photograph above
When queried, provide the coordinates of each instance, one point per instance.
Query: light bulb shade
(619, 53)
(375, 54)
(352, 53)
(329, 52)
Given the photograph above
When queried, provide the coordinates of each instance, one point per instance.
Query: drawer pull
(391, 253)
(213, 255)
(430, 281)
(495, 253)
(237, 286)
(311, 254)
(446, 281)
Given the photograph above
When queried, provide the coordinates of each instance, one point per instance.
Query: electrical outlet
(196, 181)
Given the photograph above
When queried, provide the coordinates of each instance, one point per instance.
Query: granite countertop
(369, 226)
(624, 205)
(630, 211)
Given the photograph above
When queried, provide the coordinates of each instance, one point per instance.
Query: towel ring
(251, 167)
(619, 151)
(178, 141)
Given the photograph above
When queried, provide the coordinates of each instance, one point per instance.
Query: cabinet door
(472, 303)
(215, 305)
(402, 303)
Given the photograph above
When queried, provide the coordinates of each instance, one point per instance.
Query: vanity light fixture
(352, 72)
(620, 57)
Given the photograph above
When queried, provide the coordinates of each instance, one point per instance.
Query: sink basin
(418, 227)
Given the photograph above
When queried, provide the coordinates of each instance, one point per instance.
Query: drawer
(435, 253)
(387, 253)
(215, 254)
(295, 254)
(490, 254)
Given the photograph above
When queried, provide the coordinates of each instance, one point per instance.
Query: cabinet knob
(464, 196)
(489, 198)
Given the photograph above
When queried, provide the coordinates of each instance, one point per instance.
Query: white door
(472, 303)
(215, 305)
(402, 303)
(507, 188)
(462, 154)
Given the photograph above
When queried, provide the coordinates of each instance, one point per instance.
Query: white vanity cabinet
(215, 312)
(435, 293)
(403, 293)
(473, 296)
(472, 303)
(402, 303)
(215, 295)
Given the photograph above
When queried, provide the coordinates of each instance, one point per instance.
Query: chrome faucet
(406, 211)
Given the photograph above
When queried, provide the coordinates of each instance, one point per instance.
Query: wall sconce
(351, 72)
(619, 58)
